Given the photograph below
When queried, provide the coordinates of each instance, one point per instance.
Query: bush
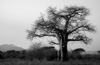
(48, 53)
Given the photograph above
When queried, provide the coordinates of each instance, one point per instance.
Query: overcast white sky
(16, 16)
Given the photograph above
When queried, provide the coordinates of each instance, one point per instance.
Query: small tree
(78, 50)
(68, 24)
(50, 53)
(35, 52)
(35, 46)
(77, 53)
(98, 52)
(23, 54)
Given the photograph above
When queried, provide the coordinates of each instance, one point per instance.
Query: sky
(16, 16)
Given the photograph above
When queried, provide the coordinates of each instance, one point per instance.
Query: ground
(36, 62)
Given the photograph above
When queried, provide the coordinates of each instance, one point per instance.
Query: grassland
(36, 62)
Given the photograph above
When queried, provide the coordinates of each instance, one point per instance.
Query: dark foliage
(78, 51)
(48, 53)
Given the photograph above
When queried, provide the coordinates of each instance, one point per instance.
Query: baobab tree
(68, 24)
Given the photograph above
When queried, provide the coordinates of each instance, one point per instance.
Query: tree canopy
(71, 20)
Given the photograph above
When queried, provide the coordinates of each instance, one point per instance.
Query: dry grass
(36, 62)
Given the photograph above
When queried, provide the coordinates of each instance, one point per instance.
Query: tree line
(45, 53)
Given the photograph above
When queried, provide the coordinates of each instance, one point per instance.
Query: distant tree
(78, 50)
(68, 24)
(76, 53)
(23, 54)
(35, 52)
(1, 52)
(35, 46)
(1, 55)
(98, 51)
(11, 54)
(50, 53)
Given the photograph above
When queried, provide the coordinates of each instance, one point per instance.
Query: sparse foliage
(35, 46)
(35, 52)
(38, 52)
(68, 24)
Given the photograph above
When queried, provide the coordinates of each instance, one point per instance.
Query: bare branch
(83, 27)
(42, 35)
(74, 40)
(89, 27)
(32, 35)
(74, 29)
(52, 43)
(81, 38)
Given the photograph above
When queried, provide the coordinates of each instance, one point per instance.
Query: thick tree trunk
(65, 52)
(64, 49)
